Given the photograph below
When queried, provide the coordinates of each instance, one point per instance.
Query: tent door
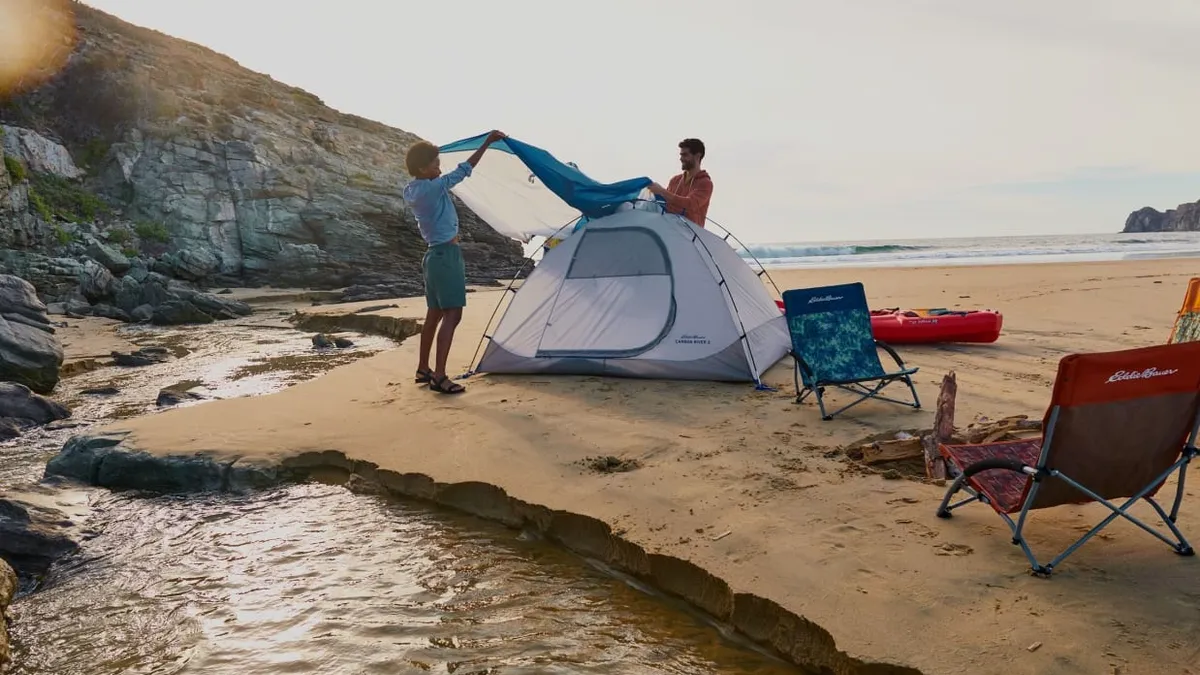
(617, 299)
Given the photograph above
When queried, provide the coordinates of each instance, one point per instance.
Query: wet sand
(851, 550)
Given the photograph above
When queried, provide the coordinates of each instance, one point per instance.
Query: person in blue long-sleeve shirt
(428, 195)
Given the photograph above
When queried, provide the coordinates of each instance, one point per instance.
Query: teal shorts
(445, 277)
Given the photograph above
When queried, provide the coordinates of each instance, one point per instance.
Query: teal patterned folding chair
(833, 346)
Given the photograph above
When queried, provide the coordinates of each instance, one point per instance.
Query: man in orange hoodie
(688, 193)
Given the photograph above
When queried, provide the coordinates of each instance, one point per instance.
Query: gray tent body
(640, 293)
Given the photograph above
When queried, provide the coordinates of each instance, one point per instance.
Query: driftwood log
(879, 450)
(943, 428)
(892, 450)
(986, 431)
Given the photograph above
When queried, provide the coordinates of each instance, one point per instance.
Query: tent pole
(762, 268)
(528, 259)
(758, 383)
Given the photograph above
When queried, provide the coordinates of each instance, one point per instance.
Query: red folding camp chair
(1118, 425)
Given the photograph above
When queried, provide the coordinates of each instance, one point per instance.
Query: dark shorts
(445, 277)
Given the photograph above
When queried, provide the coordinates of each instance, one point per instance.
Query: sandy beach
(858, 553)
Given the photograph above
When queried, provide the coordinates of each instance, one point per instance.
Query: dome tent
(640, 293)
(631, 291)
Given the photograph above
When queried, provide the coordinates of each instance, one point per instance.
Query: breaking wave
(769, 251)
(981, 250)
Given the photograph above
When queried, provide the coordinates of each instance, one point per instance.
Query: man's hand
(656, 189)
(496, 135)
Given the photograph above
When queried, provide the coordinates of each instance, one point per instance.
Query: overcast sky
(824, 120)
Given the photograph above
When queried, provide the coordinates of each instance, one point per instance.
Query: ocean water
(977, 250)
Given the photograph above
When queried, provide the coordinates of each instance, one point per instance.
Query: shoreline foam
(862, 557)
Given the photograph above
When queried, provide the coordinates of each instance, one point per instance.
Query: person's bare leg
(445, 336)
(432, 318)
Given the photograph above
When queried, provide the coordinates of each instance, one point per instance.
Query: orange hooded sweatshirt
(689, 198)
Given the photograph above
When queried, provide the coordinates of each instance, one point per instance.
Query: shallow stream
(312, 578)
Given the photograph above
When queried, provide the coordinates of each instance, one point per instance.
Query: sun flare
(36, 37)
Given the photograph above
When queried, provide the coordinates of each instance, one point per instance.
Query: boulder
(33, 537)
(218, 307)
(170, 397)
(195, 264)
(9, 429)
(139, 358)
(76, 308)
(18, 402)
(109, 312)
(142, 313)
(8, 589)
(113, 260)
(30, 353)
(179, 312)
(138, 270)
(95, 281)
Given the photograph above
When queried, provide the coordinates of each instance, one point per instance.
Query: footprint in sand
(947, 548)
(917, 528)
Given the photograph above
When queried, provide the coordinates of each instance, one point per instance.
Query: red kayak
(916, 326)
(925, 326)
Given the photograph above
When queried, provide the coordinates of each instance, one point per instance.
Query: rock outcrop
(30, 353)
(22, 407)
(208, 173)
(96, 268)
(8, 589)
(32, 537)
(1183, 218)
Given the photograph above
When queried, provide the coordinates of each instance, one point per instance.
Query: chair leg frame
(862, 391)
(1179, 544)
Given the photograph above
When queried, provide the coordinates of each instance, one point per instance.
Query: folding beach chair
(1187, 323)
(833, 346)
(1118, 425)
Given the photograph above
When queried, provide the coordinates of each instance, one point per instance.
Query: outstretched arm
(463, 170)
(473, 160)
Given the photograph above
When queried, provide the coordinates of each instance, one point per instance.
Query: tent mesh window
(619, 252)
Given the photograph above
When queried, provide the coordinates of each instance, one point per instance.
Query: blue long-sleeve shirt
(429, 199)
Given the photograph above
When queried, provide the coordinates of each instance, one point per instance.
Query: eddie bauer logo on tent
(823, 298)
(692, 340)
(1123, 375)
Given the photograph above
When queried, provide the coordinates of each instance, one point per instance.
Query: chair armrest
(998, 463)
(887, 348)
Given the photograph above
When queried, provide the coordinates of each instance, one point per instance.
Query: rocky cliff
(151, 154)
(1183, 218)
